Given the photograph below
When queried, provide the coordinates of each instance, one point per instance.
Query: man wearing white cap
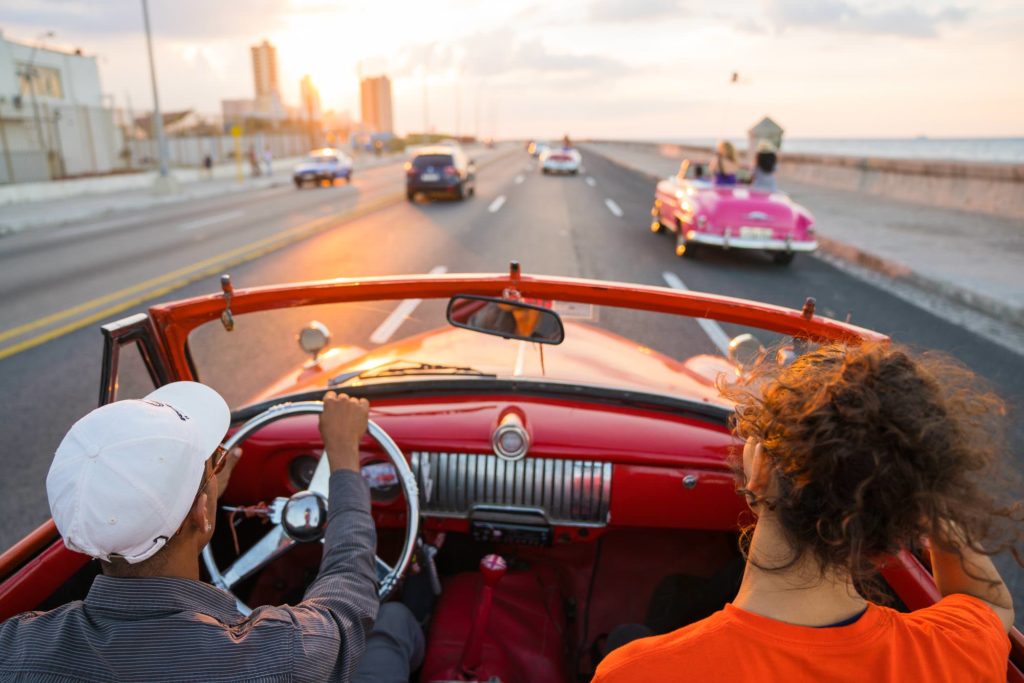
(135, 484)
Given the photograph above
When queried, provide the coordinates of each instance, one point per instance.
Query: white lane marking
(613, 207)
(211, 220)
(517, 371)
(711, 327)
(496, 204)
(591, 181)
(519, 179)
(401, 313)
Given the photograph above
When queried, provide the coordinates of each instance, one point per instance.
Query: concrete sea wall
(996, 189)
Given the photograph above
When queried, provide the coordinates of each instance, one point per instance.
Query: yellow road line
(184, 276)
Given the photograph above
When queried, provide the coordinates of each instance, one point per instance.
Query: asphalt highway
(58, 285)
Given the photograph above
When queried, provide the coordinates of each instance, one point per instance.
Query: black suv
(440, 170)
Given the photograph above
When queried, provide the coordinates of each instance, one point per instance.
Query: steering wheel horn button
(305, 517)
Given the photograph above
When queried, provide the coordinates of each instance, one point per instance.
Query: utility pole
(30, 74)
(426, 114)
(479, 91)
(164, 182)
(458, 107)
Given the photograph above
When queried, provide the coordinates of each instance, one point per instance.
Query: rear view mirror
(506, 318)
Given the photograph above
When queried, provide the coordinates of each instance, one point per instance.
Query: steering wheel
(302, 517)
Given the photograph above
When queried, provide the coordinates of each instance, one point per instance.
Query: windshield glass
(604, 346)
(425, 160)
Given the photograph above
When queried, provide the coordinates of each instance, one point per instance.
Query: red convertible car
(594, 462)
(704, 215)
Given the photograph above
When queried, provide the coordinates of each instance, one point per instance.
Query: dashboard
(514, 469)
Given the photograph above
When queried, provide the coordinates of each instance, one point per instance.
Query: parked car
(704, 215)
(587, 459)
(327, 164)
(440, 170)
(560, 160)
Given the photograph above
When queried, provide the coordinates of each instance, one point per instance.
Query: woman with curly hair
(853, 453)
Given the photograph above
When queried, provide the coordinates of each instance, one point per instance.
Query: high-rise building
(310, 100)
(375, 98)
(264, 69)
(264, 72)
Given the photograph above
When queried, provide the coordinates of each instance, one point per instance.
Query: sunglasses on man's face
(217, 462)
(219, 459)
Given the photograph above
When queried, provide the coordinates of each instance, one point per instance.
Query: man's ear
(199, 516)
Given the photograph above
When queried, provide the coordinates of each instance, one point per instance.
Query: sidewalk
(973, 259)
(193, 185)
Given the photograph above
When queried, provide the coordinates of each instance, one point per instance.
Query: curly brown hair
(875, 447)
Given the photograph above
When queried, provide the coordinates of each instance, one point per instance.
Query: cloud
(191, 19)
(895, 20)
(634, 10)
(493, 55)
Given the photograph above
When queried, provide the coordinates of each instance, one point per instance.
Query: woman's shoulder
(957, 613)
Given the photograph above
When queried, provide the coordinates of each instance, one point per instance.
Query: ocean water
(992, 150)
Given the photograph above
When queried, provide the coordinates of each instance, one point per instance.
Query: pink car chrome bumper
(734, 242)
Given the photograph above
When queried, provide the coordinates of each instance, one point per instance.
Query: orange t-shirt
(959, 639)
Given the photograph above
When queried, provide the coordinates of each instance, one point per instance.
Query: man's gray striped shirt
(171, 629)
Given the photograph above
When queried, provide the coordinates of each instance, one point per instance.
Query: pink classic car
(703, 214)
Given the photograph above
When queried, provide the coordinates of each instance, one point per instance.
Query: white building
(53, 122)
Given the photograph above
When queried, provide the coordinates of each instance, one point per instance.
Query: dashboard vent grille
(566, 491)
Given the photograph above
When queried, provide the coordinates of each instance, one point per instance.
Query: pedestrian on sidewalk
(254, 162)
(764, 168)
(268, 159)
(208, 166)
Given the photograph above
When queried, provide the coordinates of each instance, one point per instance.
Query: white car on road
(560, 160)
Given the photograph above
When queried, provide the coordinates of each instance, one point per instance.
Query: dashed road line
(591, 181)
(211, 220)
(520, 178)
(497, 204)
(613, 207)
(402, 311)
(711, 327)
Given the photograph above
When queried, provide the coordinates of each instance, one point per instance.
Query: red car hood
(588, 355)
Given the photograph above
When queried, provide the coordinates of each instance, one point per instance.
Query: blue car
(323, 164)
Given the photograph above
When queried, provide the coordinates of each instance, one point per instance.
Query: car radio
(504, 525)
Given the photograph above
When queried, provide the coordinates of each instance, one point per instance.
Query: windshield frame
(174, 321)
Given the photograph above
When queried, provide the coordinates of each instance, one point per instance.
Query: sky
(644, 69)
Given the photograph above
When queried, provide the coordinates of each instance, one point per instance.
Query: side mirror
(745, 351)
(313, 338)
(506, 318)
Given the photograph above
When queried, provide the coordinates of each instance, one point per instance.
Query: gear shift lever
(492, 568)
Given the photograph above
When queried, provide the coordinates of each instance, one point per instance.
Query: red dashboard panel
(675, 497)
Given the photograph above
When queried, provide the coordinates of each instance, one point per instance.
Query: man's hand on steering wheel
(342, 426)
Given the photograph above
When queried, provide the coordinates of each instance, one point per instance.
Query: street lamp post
(164, 182)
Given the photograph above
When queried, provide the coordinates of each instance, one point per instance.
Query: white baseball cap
(125, 476)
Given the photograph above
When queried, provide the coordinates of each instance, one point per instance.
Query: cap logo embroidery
(158, 404)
